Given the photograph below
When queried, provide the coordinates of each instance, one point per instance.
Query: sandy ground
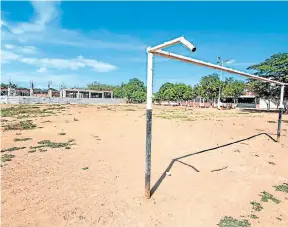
(220, 178)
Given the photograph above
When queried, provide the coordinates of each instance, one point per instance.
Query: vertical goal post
(157, 50)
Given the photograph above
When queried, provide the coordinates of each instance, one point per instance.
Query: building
(83, 93)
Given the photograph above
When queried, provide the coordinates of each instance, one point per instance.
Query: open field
(84, 166)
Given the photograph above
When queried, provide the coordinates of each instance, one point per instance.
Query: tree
(118, 91)
(275, 68)
(233, 88)
(209, 86)
(135, 86)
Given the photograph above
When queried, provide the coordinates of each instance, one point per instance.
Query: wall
(263, 105)
(45, 100)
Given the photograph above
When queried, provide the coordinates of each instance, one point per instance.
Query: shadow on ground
(169, 167)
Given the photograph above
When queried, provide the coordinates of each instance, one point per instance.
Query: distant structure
(83, 93)
(49, 89)
(31, 88)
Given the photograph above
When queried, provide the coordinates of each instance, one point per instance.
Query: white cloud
(59, 63)
(41, 70)
(21, 49)
(43, 29)
(7, 56)
(45, 12)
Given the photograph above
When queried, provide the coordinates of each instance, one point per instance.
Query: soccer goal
(157, 50)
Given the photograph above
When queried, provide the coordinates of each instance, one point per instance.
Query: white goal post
(157, 50)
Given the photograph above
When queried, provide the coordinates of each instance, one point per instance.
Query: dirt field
(91, 172)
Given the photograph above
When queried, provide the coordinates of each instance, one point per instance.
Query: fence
(56, 100)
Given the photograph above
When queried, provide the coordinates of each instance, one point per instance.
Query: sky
(76, 43)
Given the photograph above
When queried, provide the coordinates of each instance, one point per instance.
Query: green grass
(7, 157)
(32, 151)
(48, 143)
(256, 206)
(25, 111)
(231, 222)
(13, 149)
(282, 187)
(253, 216)
(22, 125)
(67, 148)
(21, 139)
(85, 168)
(265, 197)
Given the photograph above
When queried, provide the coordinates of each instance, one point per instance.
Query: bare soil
(231, 157)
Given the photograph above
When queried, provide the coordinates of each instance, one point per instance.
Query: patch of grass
(256, 206)
(85, 168)
(67, 148)
(75, 119)
(282, 187)
(22, 125)
(48, 143)
(231, 222)
(253, 216)
(62, 133)
(129, 109)
(22, 139)
(42, 150)
(272, 163)
(7, 157)
(265, 197)
(13, 149)
(32, 151)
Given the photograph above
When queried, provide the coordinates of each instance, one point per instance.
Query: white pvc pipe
(166, 44)
(210, 65)
(282, 97)
(149, 81)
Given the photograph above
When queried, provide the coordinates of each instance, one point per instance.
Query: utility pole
(220, 62)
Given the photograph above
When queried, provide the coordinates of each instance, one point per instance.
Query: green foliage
(231, 222)
(233, 88)
(22, 125)
(100, 87)
(174, 92)
(282, 187)
(134, 91)
(7, 85)
(21, 139)
(48, 143)
(256, 206)
(7, 157)
(209, 86)
(13, 149)
(275, 68)
(253, 216)
(265, 197)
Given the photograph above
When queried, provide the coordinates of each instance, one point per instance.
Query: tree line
(275, 68)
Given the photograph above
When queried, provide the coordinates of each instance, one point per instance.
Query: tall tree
(209, 87)
(233, 88)
(276, 68)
